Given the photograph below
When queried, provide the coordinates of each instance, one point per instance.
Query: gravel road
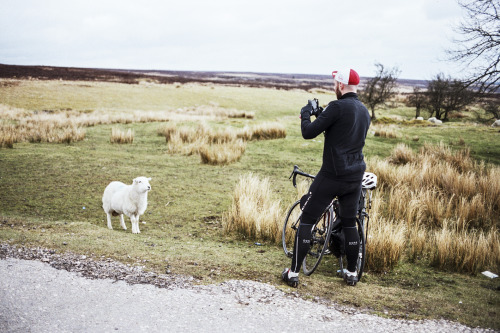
(41, 291)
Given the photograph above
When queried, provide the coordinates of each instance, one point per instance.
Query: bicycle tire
(290, 226)
(360, 262)
(320, 241)
(363, 234)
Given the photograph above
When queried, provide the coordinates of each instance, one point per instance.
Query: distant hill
(268, 80)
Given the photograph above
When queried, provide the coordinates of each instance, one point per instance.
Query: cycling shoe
(291, 281)
(350, 279)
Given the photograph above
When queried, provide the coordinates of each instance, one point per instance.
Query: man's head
(344, 81)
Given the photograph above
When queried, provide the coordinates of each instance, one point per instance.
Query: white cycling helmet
(369, 180)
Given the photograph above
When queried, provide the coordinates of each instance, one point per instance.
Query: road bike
(327, 236)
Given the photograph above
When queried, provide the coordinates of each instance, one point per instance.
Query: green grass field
(50, 194)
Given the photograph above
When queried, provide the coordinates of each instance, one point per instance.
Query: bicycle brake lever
(294, 175)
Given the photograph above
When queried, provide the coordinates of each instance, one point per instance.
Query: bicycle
(327, 233)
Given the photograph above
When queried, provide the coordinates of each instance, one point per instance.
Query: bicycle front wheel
(319, 243)
(290, 227)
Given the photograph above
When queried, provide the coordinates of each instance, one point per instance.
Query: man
(345, 123)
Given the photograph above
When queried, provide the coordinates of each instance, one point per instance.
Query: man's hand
(308, 108)
(318, 111)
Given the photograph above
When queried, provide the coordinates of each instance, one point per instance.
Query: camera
(316, 109)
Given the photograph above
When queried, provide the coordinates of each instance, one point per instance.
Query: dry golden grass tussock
(215, 147)
(119, 136)
(268, 131)
(402, 154)
(254, 211)
(222, 153)
(265, 131)
(8, 136)
(469, 251)
(71, 134)
(389, 131)
(442, 185)
(418, 242)
(385, 245)
(459, 159)
(45, 132)
(11, 113)
(386, 238)
(167, 130)
(490, 186)
(220, 136)
(445, 197)
(391, 175)
(19, 125)
(177, 144)
(404, 204)
(65, 120)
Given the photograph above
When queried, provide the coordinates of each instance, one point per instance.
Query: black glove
(306, 109)
(317, 112)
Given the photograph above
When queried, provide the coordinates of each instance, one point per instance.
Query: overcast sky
(271, 36)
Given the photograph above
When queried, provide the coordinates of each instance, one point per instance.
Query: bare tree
(491, 106)
(379, 88)
(478, 49)
(417, 99)
(446, 95)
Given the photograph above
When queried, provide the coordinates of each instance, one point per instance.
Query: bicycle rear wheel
(290, 227)
(319, 243)
(360, 261)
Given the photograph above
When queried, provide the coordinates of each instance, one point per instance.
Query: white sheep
(496, 123)
(420, 118)
(435, 121)
(131, 200)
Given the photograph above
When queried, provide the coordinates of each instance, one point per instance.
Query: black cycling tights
(321, 193)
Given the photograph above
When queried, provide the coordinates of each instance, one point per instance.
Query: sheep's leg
(122, 222)
(108, 216)
(135, 224)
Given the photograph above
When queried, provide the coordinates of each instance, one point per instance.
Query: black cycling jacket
(345, 123)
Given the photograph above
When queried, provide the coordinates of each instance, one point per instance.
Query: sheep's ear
(135, 180)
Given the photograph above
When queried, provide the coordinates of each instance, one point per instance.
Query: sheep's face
(141, 184)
